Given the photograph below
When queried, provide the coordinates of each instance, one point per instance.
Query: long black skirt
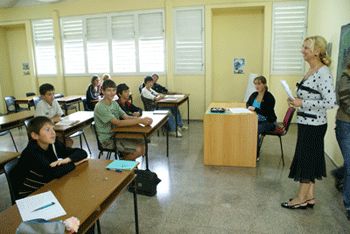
(309, 162)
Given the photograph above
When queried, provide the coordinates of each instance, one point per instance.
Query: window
(127, 43)
(73, 46)
(189, 41)
(288, 32)
(44, 47)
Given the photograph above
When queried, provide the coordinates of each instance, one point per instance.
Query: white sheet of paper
(174, 96)
(160, 112)
(67, 122)
(287, 89)
(239, 111)
(27, 207)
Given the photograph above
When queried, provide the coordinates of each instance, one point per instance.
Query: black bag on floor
(146, 183)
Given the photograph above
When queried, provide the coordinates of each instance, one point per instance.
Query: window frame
(175, 10)
(110, 40)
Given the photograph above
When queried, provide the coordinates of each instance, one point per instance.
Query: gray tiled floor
(193, 198)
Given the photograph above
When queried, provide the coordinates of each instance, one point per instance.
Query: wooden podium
(230, 139)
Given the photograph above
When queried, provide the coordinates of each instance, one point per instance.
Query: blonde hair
(106, 76)
(318, 42)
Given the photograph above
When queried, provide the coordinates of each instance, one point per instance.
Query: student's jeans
(342, 132)
(171, 120)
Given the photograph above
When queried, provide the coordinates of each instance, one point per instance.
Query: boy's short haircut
(36, 124)
(121, 87)
(148, 79)
(46, 88)
(155, 74)
(108, 84)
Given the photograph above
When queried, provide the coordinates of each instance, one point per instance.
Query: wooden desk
(230, 139)
(85, 118)
(176, 103)
(25, 101)
(5, 157)
(14, 120)
(144, 132)
(85, 193)
(65, 102)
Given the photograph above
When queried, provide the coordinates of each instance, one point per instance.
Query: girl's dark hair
(36, 124)
(93, 78)
(262, 79)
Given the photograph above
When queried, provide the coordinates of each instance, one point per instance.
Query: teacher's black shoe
(294, 206)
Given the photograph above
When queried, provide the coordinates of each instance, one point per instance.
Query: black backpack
(146, 183)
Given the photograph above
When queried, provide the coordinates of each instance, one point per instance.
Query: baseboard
(332, 160)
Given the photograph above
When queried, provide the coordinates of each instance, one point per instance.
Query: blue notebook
(122, 165)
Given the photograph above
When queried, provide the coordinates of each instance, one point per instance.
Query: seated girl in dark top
(93, 92)
(263, 103)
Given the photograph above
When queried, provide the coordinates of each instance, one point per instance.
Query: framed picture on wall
(344, 49)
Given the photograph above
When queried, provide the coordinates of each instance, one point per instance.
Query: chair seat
(279, 131)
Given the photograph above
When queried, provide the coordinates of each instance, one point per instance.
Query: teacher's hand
(251, 108)
(297, 102)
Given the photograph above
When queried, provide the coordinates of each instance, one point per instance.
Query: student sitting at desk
(108, 115)
(263, 103)
(149, 94)
(93, 92)
(44, 158)
(48, 106)
(157, 87)
(123, 93)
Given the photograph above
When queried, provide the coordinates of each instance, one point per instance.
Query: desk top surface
(81, 192)
(70, 98)
(22, 115)
(173, 99)
(25, 99)
(158, 121)
(78, 117)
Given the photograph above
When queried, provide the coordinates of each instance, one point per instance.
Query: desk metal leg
(146, 152)
(167, 142)
(135, 209)
(176, 110)
(188, 111)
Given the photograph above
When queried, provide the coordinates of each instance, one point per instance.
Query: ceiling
(23, 3)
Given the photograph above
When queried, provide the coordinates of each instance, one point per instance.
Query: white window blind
(73, 46)
(44, 47)
(289, 22)
(189, 41)
(97, 45)
(151, 42)
(123, 43)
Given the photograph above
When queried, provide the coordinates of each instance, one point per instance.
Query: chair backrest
(36, 100)
(288, 118)
(99, 145)
(26, 124)
(29, 94)
(86, 107)
(11, 106)
(148, 104)
(8, 169)
(141, 87)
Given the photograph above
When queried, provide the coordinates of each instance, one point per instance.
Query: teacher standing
(315, 94)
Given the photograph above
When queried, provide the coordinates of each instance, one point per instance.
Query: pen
(45, 206)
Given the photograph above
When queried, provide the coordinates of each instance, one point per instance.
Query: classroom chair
(148, 104)
(29, 94)
(11, 105)
(281, 130)
(8, 169)
(102, 149)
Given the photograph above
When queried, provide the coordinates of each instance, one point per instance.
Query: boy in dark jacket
(123, 93)
(44, 158)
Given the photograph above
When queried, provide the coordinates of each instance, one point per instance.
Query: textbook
(122, 165)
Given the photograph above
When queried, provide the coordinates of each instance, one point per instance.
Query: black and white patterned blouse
(318, 95)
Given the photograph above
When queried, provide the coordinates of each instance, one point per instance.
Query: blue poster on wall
(344, 49)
